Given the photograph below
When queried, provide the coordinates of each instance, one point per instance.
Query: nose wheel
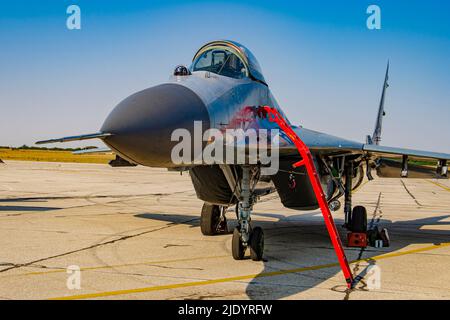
(256, 244)
(237, 246)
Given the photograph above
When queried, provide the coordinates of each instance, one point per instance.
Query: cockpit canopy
(221, 61)
(227, 58)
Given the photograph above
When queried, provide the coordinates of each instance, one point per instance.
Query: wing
(384, 159)
(117, 162)
(322, 143)
(99, 135)
(319, 143)
(378, 151)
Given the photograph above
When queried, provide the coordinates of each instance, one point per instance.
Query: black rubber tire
(257, 244)
(237, 248)
(209, 219)
(359, 219)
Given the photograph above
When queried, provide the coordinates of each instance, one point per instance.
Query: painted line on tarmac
(245, 277)
(439, 185)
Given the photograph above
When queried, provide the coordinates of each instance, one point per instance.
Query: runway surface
(134, 233)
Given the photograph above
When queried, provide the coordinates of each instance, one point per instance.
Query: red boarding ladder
(307, 161)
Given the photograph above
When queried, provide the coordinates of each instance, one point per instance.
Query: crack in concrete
(16, 266)
(176, 245)
(32, 199)
(410, 193)
(174, 268)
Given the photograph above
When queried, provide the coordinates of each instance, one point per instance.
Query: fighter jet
(223, 89)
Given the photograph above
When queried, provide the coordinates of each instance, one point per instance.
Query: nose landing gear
(244, 235)
(213, 221)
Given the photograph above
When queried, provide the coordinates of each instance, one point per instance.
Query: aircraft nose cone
(143, 123)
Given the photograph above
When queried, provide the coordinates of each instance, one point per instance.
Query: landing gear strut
(348, 194)
(244, 236)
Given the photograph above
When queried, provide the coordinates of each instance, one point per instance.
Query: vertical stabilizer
(376, 137)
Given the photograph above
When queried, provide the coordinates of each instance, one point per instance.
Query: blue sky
(322, 63)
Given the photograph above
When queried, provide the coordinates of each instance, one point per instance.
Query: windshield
(222, 62)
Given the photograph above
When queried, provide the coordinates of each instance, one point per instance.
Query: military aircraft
(217, 89)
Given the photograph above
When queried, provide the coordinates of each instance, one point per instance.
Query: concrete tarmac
(134, 234)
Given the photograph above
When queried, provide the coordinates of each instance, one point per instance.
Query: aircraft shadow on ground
(27, 208)
(290, 239)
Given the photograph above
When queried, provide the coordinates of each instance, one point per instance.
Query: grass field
(53, 156)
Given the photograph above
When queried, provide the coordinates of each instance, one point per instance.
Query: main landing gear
(213, 220)
(356, 220)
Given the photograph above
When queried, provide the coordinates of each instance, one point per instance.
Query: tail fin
(376, 137)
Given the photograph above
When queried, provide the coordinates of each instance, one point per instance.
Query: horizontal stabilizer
(99, 135)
